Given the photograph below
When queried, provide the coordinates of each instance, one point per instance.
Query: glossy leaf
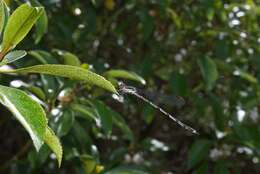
(19, 24)
(27, 111)
(13, 56)
(68, 71)
(41, 24)
(54, 143)
(125, 75)
(4, 14)
(209, 71)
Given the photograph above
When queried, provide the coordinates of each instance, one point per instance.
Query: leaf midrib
(16, 33)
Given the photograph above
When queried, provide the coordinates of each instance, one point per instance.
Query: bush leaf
(125, 75)
(13, 56)
(19, 24)
(68, 71)
(209, 71)
(198, 152)
(27, 111)
(54, 143)
(41, 24)
(4, 14)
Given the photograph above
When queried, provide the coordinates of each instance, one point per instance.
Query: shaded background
(205, 52)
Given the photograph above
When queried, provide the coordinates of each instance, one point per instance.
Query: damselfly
(124, 89)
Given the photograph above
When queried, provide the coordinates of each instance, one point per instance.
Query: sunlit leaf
(54, 143)
(28, 112)
(13, 56)
(19, 24)
(123, 74)
(4, 14)
(68, 71)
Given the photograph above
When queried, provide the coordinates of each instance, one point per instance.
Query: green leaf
(65, 123)
(89, 163)
(126, 169)
(68, 71)
(125, 75)
(105, 116)
(248, 77)
(27, 111)
(209, 71)
(220, 118)
(198, 151)
(221, 168)
(19, 24)
(13, 56)
(85, 111)
(43, 56)
(41, 24)
(68, 58)
(179, 85)
(4, 14)
(54, 143)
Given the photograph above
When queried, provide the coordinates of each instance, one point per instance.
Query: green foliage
(199, 61)
(27, 111)
(13, 56)
(18, 26)
(69, 72)
(53, 142)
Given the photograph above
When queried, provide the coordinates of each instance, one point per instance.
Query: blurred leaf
(68, 71)
(68, 58)
(220, 168)
(147, 24)
(124, 75)
(202, 169)
(198, 152)
(41, 24)
(209, 71)
(89, 163)
(4, 15)
(109, 4)
(148, 113)
(13, 56)
(19, 24)
(65, 123)
(43, 56)
(248, 77)
(105, 116)
(179, 85)
(27, 111)
(126, 170)
(86, 111)
(220, 120)
(54, 143)
(119, 121)
(36, 91)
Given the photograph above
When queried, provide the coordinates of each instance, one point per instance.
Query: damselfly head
(124, 89)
